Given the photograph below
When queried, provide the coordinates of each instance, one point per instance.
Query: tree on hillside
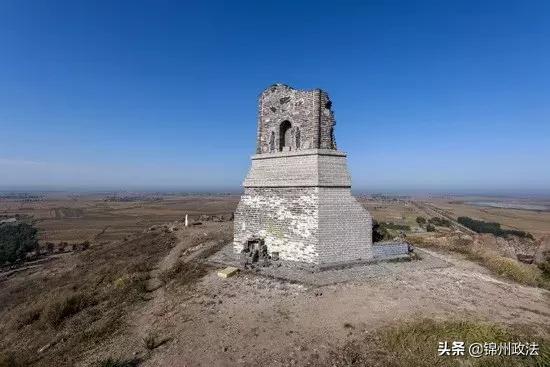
(377, 232)
(480, 226)
(16, 241)
(441, 222)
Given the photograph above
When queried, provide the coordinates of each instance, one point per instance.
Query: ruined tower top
(290, 119)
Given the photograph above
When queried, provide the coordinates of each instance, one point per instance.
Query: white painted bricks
(301, 205)
(315, 167)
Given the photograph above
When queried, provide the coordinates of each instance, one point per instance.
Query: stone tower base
(300, 205)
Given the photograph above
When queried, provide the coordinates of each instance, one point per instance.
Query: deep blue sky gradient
(428, 95)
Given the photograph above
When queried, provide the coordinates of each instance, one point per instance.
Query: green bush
(396, 227)
(480, 226)
(382, 231)
(16, 241)
(440, 222)
(378, 233)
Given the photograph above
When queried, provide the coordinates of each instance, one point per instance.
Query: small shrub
(420, 220)
(85, 245)
(440, 222)
(29, 316)
(185, 272)
(61, 246)
(150, 341)
(60, 309)
(50, 247)
(378, 233)
(381, 231)
(396, 227)
(430, 228)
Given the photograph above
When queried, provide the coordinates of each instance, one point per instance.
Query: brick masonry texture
(309, 112)
(314, 167)
(389, 249)
(297, 193)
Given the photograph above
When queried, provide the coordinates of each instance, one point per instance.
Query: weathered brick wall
(384, 250)
(286, 218)
(345, 227)
(327, 122)
(320, 225)
(313, 167)
(309, 113)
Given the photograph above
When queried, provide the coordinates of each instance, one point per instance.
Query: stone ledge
(304, 152)
(304, 169)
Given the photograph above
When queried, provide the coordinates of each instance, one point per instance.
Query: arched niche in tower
(285, 138)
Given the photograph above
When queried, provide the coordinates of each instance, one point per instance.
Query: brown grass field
(143, 294)
(90, 217)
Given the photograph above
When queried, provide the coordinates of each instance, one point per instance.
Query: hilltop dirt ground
(149, 298)
(251, 320)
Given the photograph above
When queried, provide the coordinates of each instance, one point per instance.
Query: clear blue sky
(428, 95)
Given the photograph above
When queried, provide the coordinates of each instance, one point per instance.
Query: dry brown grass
(531, 221)
(185, 272)
(415, 344)
(91, 218)
(75, 301)
(500, 265)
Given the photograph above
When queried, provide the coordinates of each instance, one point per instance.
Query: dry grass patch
(502, 266)
(514, 270)
(63, 307)
(416, 344)
(75, 302)
(185, 273)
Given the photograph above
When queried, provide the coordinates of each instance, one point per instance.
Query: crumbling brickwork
(297, 195)
(305, 116)
(285, 217)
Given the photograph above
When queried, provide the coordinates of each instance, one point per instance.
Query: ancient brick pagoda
(297, 200)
